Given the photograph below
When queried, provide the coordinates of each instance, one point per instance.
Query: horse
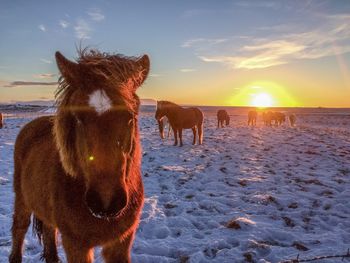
(252, 115)
(292, 119)
(1, 121)
(162, 125)
(181, 118)
(78, 172)
(222, 116)
(280, 118)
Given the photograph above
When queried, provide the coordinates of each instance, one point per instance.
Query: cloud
(202, 41)
(29, 83)
(186, 70)
(329, 37)
(44, 76)
(155, 75)
(82, 29)
(46, 61)
(64, 24)
(42, 28)
(96, 14)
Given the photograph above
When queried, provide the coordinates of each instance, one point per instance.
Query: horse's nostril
(119, 201)
(96, 207)
(94, 202)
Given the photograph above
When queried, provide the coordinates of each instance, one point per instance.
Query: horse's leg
(194, 135)
(50, 246)
(21, 221)
(76, 252)
(169, 131)
(118, 251)
(180, 136)
(200, 133)
(175, 136)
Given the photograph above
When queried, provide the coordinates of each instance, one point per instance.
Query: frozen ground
(246, 195)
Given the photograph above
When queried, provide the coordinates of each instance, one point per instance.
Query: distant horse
(1, 121)
(252, 115)
(280, 118)
(222, 116)
(164, 122)
(79, 171)
(181, 118)
(292, 119)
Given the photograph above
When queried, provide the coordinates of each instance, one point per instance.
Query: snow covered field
(262, 194)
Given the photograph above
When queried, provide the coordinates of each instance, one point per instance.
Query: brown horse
(222, 117)
(1, 121)
(79, 172)
(252, 115)
(181, 118)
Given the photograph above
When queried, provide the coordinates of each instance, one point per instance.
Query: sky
(203, 52)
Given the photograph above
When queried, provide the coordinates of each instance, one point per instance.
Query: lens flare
(262, 100)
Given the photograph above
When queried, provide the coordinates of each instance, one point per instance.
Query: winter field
(248, 194)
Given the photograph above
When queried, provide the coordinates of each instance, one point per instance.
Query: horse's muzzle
(97, 208)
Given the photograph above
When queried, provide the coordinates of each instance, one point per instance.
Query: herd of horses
(79, 172)
(179, 118)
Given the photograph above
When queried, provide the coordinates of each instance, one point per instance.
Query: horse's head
(96, 126)
(159, 115)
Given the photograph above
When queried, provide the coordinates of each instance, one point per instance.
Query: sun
(262, 100)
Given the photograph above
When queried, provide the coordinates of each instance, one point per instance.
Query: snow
(264, 194)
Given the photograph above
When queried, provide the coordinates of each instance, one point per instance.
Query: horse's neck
(172, 112)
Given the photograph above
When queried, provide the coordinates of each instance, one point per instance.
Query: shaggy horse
(280, 118)
(222, 116)
(252, 115)
(1, 121)
(276, 118)
(181, 118)
(79, 172)
(292, 119)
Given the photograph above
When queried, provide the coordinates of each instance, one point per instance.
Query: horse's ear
(68, 69)
(144, 66)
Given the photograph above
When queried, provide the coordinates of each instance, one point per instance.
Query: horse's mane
(168, 104)
(122, 71)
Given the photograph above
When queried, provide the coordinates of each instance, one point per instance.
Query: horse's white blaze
(100, 101)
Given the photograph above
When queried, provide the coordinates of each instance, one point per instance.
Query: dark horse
(223, 116)
(180, 118)
(79, 172)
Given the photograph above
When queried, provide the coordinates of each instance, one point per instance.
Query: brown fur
(1, 121)
(276, 118)
(181, 118)
(222, 117)
(252, 115)
(91, 202)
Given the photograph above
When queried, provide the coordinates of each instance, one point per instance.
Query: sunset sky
(203, 52)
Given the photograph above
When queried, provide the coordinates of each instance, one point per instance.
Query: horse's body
(276, 118)
(280, 118)
(222, 117)
(292, 119)
(252, 115)
(1, 121)
(181, 118)
(79, 171)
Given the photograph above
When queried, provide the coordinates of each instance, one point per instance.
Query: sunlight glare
(262, 100)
